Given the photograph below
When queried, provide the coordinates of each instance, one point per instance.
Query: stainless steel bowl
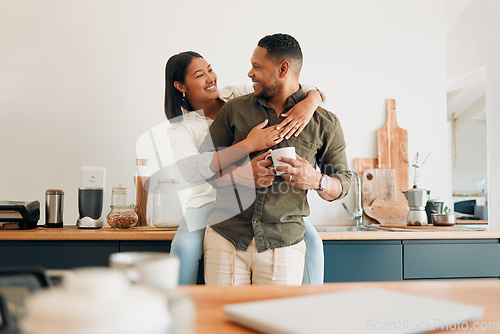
(443, 219)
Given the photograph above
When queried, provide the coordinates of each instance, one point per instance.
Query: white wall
(81, 80)
(473, 43)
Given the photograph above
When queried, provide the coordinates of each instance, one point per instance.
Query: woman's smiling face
(200, 83)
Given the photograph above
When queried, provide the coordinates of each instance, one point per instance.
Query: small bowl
(443, 219)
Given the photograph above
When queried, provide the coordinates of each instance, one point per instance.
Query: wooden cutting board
(362, 164)
(393, 214)
(431, 227)
(392, 143)
(378, 183)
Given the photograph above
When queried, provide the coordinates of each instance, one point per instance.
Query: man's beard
(269, 91)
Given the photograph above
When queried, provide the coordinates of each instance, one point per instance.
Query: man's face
(264, 74)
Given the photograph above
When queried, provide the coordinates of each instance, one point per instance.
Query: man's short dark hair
(283, 47)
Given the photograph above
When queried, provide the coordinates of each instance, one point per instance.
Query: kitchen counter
(153, 233)
(209, 300)
(349, 256)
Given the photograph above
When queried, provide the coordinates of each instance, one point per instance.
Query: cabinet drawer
(145, 246)
(362, 261)
(451, 259)
(57, 254)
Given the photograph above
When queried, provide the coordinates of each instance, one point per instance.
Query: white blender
(417, 199)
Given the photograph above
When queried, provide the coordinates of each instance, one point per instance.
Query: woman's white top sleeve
(230, 92)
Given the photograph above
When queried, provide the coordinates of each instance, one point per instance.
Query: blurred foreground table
(209, 300)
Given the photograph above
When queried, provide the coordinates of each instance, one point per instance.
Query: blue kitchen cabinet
(475, 258)
(355, 261)
(145, 246)
(345, 260)
(57, 254)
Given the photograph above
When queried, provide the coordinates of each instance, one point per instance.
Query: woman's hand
(261, 137)
(299, 116)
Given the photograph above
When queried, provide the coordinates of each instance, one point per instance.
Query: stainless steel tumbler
(54, 203)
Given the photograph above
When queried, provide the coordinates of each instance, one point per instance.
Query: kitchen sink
(333, 228)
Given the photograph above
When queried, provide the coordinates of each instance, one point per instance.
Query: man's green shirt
(275, 218)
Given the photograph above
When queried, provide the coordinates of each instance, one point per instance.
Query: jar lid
(141, 162)
(121, 206)
(119, 189)
(54, 192)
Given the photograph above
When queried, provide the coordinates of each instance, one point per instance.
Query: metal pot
(443, 219)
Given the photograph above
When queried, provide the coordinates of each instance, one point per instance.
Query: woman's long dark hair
(175, 70)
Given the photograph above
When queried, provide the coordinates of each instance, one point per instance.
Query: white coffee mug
(284, 152)
(154, 269)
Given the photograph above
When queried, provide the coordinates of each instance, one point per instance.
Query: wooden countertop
(154, 233)
(73, 233)
(209, 300)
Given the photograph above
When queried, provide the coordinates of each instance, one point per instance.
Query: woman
(192, 101)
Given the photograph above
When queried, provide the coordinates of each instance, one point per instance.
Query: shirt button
(255, 221)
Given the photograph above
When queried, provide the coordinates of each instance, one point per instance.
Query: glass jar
(141, 181)
(122, 216)
(167, 211)
(119, 195)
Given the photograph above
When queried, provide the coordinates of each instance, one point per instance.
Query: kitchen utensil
(141, 180)
(167, 210)
(378, 183)
(362, 164)
(122, 216)
(119, 195)
(392, 143)
(433, 207)
(387, 213)
(54, 205)
(154, 269)
(90, 207)
(431, 227)
(443, 219)
(19, 215)
(417, 199)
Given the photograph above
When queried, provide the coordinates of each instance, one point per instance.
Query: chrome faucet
(357, 214)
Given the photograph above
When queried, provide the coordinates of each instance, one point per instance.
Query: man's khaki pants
(225, 265)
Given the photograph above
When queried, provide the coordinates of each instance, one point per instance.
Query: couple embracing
(222, 139)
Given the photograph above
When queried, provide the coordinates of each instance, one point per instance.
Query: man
(263, 244)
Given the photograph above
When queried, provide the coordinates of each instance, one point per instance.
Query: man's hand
(301, 174)
(263, 176)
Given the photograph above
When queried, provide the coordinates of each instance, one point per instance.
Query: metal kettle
(417, 199)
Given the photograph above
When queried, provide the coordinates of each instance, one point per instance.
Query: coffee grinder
(417, 199)
(90, 198)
